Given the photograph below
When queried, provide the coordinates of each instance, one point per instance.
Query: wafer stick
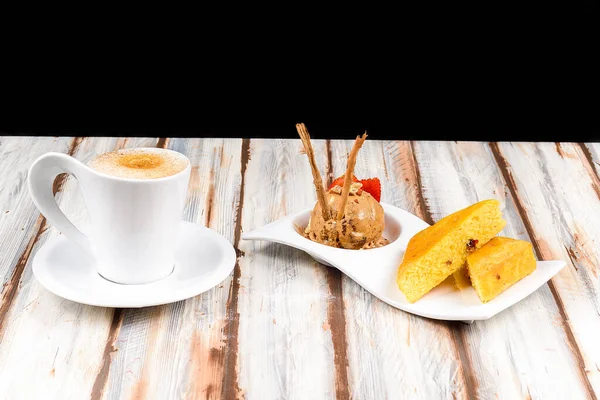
(348, 175)
(318, 182)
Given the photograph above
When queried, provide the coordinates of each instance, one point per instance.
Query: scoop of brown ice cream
(360, 227)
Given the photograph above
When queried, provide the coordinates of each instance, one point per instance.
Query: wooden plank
(17, 212)
(18, 155)
(558, 196)
(285, 332)
(589, 152)
(392, 353)
(507, 361)
(57, 344)
(290, 326)
(178, 350)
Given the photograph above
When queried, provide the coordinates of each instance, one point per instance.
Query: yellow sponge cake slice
(498, 265)
(439, 250)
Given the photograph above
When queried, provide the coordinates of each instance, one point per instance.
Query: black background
(527, 104)
(530, 75)
(446, 122)
(320, 131)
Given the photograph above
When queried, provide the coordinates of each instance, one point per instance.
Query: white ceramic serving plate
(376, 269)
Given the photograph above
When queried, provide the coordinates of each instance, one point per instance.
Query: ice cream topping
(347, 215)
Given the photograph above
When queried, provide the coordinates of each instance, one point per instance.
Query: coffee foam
(142, 163)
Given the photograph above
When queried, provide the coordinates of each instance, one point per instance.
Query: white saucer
(203, 259)
(376, 269)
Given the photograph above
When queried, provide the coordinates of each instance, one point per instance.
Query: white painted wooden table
(284, 326)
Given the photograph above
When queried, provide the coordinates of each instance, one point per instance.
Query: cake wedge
(499, 264)
(441, 249)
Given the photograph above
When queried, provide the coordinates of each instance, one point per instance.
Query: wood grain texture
(393, 354)
(284, 326)
(178, 350)
(591, 153)
(557, 194)
(14, 280)
(58, 342)
(505, 361)
(336, 316)
(231, 387)
(285, 344)
(18, 216)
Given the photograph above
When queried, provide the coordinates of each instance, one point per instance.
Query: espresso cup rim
(142, 180)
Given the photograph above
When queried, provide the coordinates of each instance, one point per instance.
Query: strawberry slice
(373, 187)
(340, 181)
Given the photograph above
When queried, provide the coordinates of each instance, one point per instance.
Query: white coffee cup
(134, 221)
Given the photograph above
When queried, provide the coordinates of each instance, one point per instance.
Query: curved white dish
(203, 259)
(375, 269)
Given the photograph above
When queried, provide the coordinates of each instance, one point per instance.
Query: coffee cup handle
(41, 180)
